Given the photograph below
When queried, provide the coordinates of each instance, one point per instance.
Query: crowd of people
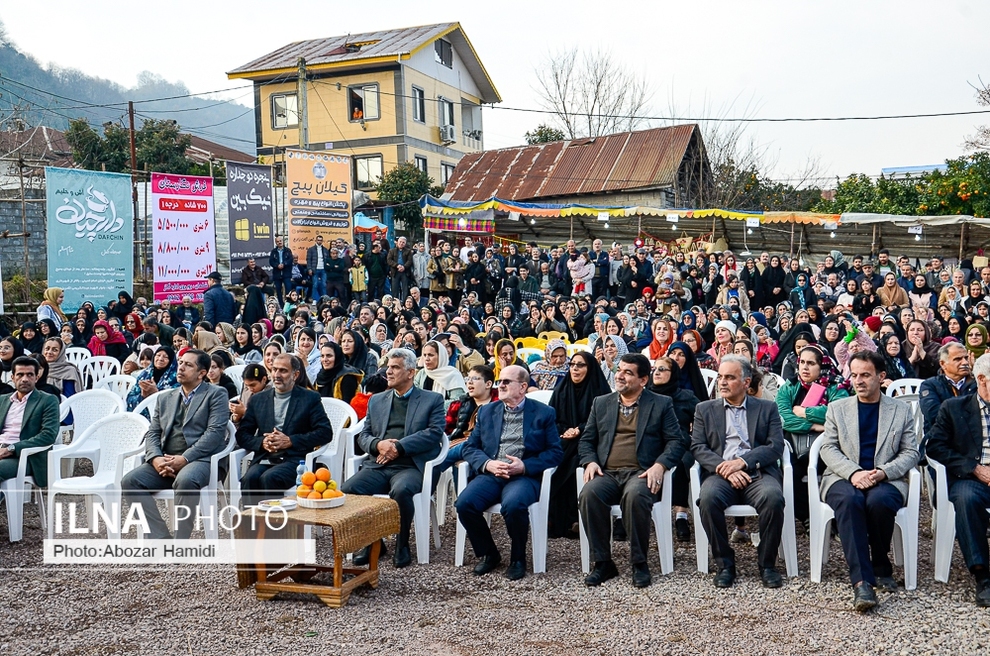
(425, 341)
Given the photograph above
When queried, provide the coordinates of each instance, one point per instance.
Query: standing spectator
(374, 262)
(281, 260)
(359, 280)
(600, 260)
(453, 269)
(336, 269)
(400, 262)
(420, 275)
(218, 303)
(316, 260)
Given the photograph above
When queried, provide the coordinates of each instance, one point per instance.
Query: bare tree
(980, 140)
(591, 94)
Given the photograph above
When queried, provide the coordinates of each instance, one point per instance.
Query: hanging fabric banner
(90, 235)
(184, 235)
(319, 188)
(249, 206)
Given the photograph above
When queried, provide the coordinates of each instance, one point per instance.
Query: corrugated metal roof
(629, 160)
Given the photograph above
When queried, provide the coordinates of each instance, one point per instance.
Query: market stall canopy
(364, 223)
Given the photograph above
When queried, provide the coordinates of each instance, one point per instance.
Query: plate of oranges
(318, 490)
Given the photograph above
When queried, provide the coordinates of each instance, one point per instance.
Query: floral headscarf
(545, 374)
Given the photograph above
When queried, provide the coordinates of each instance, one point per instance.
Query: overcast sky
(767, 59)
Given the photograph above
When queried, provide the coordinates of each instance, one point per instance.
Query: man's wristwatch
(9, 447)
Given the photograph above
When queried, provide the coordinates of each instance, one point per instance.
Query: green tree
(162, 147)
(159, 146)
(403, 186)
(748, 189)
(544, 133)
(963, 188)
(859, 193)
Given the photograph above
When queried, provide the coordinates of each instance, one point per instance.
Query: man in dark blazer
(317, 257)
(188, 428)
(738, 441)
(280, 260)
(958, 441)
(514, 441)
(282, 424)
(630, 441)
(402, 432)
(28, 419)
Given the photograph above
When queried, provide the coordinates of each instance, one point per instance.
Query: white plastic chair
(343, 420)
(661, 523)
(149, 403)
(788, 537)
(943, 522)
(99, 367)
(780, 380)
(539, 514)
(87, 407)
(17, 491)
(529, 355)
(904, 386)
(236, 374)
(208, 496)
(710, 378)
(426, 512)
(118, 438)
(119, 384)
(77, 355)
(543, 396)
(906, 524)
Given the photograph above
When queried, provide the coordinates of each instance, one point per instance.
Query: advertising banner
(90, 235)
(249, 207)
(319, 188)
(183, 236)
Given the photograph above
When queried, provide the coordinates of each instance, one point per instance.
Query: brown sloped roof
(41, 143)
(645, 159)
(200, 150)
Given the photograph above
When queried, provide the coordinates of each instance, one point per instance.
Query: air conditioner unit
(447, 134)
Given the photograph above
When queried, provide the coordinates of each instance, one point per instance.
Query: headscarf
(247, 348)
(62, 370)
(138, 326)
(324, 379)
(898, 366)
(359, 357)
(52, 328)
(158, 374)
(658, 349)
(786, 342)
(571, 400)
(34, 344)
(51, 300)
(689, 378)
(228, 333)
(80, 338)
(829, 374)
(546, 375)
(98, 346)
(164, 379)
(979, 350)
(671, 386)
(18, 352)
(207, 341)
(445, 377)
(497, 366)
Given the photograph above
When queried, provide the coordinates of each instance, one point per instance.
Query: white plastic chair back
(340, 414)
(904, 386)
(236, 374)
(88, 407)
(150, 403)
(77, 355)
(99, 367)
(543, 396)
(117, 434)
(529, 355)
(119, 384)
(710, 378)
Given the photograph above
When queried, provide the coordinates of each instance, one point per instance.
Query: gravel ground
(439, 609)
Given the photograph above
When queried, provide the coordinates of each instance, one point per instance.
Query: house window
(446, 172)
(446, 112)
(420, 163)
(419, 105)
(443, 54)
(285, 112)
(367, 171)
(363, 103)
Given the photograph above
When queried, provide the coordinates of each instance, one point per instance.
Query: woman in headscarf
(219, 362)
(254, 305)
(663, 337)
(47, 329)
(108, 341)
(689, 373)
(10, 349)
(688, 322)
(548, 372)
(956, 327)
(61, 373)
(225, 332)
(665, 379)
(337, 379)
(572, 400)
(305, 348)
(133, 326)
(51, 307)
(832, 333)
(724, 334)
(891, 294)
(30, 337)
(259, 334)
(697, 345)
(356, 350)
(773, 282)
(789, 370)
(438, 376)
(802, 295)
(786, 344)
(895, 361)
(922, 296)
(380, 336)
(81, 332)
(160, 376)
(976, 340)
(744, 348)
(921, 350)
(613, 348)
(505, 355)
(123, 307)
(206, 341)
(244, 346)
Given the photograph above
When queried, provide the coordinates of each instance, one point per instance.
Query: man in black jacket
(218, 303)
(374, 262)
(280, 260)
(282, 424)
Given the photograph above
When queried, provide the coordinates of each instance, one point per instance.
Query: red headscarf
(658, 349)
(98, 346)
(138, 326)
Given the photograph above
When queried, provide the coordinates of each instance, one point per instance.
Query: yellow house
(385, 98)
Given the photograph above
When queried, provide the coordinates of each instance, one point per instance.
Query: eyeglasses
(577, 364)
(474, 379)
(504, 383)
(662, 369)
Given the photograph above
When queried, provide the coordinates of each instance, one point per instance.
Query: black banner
(249, 203)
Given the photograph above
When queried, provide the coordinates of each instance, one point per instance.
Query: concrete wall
(12, 248)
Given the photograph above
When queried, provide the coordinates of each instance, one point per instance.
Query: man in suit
(280, 260)
(630, 441)
(218, 303)
(954, 380)
(188, 428)
(400, 265)
(738, 441)
(958, 440)
(28, 418)
(869, 446)
(402, 432)
(316, 259)
(514, 441)
(282, 424)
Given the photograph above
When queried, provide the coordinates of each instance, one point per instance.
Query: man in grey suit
(738, 441)
(189, 426)
(630, 440)
(402, 432)
(869, 446)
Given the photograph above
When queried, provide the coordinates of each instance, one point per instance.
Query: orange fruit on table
(319, 486)
(308, 478)
(314, 495)
(303, 491)
(323, 475)
(328, 494)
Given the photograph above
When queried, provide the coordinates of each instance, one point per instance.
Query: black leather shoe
(983, 593)
(516, 571)
(682, 529)
(487, 564)
(641, 577)
(771, 578)
(864, 598)
(363, 557)
(725, 577)
(401, 558)
(602, 572)
(886, 583)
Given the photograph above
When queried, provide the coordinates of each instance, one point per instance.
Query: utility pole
(303, 114)
(134, 191)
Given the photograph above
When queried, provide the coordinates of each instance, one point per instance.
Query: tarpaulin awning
(452, 224)
(363, 223)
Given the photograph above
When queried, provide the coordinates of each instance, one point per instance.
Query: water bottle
(300, 470)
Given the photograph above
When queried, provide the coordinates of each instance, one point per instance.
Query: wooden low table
(361, 521)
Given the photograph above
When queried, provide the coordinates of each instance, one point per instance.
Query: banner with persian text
(183, 235)
(249, 208)
(319, 189)
(90, 235)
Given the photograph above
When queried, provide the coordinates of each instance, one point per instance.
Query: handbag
(801, 443)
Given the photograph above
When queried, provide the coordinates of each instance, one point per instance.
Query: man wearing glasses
(513, 442)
